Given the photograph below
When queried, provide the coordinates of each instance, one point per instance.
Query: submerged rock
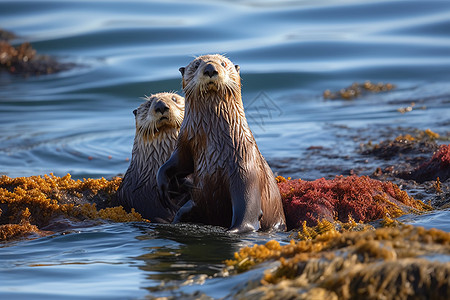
(438, 167)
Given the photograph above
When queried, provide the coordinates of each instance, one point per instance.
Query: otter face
(159, 112)
(210, 73)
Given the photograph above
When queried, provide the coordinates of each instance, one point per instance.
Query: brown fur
(156, 135)
(232, 182)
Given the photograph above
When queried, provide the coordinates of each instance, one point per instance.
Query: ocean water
(80, 121)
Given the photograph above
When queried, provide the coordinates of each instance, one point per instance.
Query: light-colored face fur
(158, 121)
(211, 73)
(160, 112)
(214, 125)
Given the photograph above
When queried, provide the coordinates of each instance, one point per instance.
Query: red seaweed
(361, 198)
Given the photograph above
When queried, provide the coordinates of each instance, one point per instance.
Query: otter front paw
(163, 190)
(185, 209)
(243, 228)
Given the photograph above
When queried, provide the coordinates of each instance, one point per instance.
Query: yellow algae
(386, 263)
(406, 137)
(310, 233)
(357, 89)
(29, 203)
(334, 239)
(416, 137)
(432, 134)
(118, 214)
(313, 239)
(437, 186)
(346, 278)
(419, 135)
(280, 179)
(10, 231)
(389, 222)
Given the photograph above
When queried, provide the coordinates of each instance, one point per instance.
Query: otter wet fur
(158, 121)
(233, 186)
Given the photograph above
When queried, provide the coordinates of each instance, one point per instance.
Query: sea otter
(158, 122)
(233, 186)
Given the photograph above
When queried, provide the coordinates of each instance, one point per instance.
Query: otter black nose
(210, 70)
(161, 107)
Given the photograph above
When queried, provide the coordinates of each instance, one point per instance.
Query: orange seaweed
(356, 89)
(30, 203)
(372, 263)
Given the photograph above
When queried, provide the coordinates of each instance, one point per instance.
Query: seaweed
(344, 199)
(387, 263)
(23, 59)
(358, 89)
(419, 143)
(29, 204)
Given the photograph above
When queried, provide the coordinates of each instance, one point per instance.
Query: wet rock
(422, 142)
(437, 168)
(404, 155)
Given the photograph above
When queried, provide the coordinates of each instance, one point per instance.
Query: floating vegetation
(420, 141)
(343, 199)
(410, 108)
(386, 263)
(23, 59)
(410, 156)
(358, 89)
(30, 203)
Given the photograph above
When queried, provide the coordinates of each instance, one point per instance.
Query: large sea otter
(233, 185)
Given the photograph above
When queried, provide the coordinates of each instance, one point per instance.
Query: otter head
(159, 113)
(211, 74)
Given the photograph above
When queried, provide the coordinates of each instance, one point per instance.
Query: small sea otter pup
(158, 122)
(233, 185)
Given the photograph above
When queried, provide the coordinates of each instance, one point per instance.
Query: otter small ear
(135, 112)
(237, 68)
(182, 69)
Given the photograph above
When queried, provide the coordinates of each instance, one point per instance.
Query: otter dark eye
(196, 65)
(224, 64)
(174, 99)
